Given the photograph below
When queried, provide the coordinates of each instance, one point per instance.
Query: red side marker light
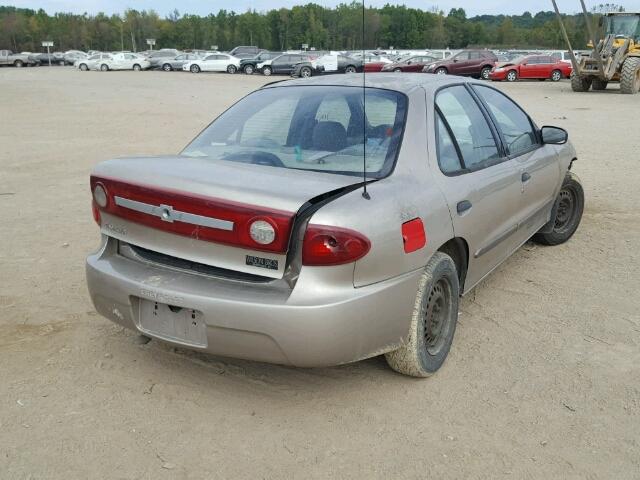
(413, 235)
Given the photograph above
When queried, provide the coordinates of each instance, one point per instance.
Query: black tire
(83, 67)
(104, 67)
(433, 323)
(18, 64)
(397, 70)
(599, 84)
(556, 76)
(305, 72)
(512, 76)
(484, 73)
(194, 69)
(630, 76)
(137, 68)
(580, 84)
(441, 71)
(249, 69)
(568, 213)
(267, 71)
(350, 69)
(232, 69)
(167, 67)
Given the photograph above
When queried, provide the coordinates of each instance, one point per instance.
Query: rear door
(279, 64)
(481, 186)
(537, 164)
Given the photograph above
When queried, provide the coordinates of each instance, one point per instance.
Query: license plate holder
(175, 324)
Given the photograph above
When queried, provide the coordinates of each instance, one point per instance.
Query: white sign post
(214, 48)
(305, 46)
(48, 44)
(151, 42)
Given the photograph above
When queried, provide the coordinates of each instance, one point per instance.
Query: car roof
(401, 82)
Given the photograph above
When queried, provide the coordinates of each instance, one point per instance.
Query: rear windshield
(319, 128)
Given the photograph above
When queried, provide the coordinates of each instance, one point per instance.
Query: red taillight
(324, 245)
(96, 212)
(270, 232)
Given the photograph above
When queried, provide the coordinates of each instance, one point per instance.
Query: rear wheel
(512, 76)
(194, 69)
(433, 322)
(305, 72)
(83, 67)
(350, 69)
(18, 63)
(556, 76)
(599, 84)
(397, 70)
(232, 69)
(248, 69)
(167, 67)
(104, 67)
(441, 71)
(267, 71)
(580, 84)
(568, 213)
(484, 74)
(630, 76)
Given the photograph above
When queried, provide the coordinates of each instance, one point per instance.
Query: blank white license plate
(181, 325)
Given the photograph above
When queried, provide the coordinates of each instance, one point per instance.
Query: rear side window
(448, 157)
(515, 126)
(469, 127)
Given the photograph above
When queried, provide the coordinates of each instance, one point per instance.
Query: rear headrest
(329, 136)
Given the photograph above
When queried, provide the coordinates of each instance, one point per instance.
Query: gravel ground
(542, 382)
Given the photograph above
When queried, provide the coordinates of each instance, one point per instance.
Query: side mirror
(455, 60)
(554, 135)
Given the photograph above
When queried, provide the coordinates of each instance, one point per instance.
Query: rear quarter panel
(407, 193)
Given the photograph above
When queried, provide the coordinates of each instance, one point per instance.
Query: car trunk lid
(202, 210)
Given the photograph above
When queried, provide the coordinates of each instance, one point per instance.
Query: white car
(91, 62)
(124, 61)
(216, 62)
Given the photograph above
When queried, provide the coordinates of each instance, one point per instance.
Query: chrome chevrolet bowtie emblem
(166, 213)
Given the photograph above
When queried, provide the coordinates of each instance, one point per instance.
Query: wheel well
(458, 250)
(442, 68)
(486, 66)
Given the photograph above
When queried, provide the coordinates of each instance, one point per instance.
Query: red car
(542, 67)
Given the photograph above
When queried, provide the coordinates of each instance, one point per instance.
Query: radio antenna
(365, 194)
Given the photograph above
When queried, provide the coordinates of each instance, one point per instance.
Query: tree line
(338, 28)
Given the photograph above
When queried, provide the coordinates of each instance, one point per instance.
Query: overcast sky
(202, 7)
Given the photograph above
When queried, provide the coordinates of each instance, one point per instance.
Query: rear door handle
(526, 176)
(463, 206)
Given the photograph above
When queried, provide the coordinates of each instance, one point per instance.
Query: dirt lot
(543, 380)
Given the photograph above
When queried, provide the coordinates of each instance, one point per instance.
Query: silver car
(176, 63)
(308, 227)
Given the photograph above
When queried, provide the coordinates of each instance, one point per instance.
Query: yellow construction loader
(616, 56)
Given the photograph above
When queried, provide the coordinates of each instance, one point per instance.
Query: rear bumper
(322, 321)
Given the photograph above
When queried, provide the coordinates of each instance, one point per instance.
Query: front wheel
(137, 68)
(83, 67)
(248, 69)
(350, 69)
(232, 69)
(599, 84)
(484, 74)
(556, 76)
(167, 67)
(580, 84)
(433, 322)
(441, 71)
(512, 76)
(267, 71)
(568, 213)
(195, 69)
(104, 67)
(397, 70)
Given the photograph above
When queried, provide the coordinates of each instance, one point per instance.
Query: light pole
(121, 35)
